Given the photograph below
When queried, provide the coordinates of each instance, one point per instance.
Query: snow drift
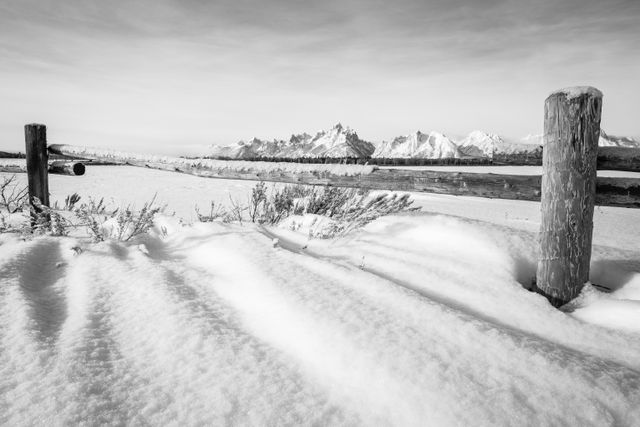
(415, 320)
(420, 319)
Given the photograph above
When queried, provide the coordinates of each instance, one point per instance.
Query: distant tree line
(404, 161)
(6, 155)
(523, 159)
(520, 159)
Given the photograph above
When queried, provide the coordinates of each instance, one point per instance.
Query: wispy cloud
(158, 72)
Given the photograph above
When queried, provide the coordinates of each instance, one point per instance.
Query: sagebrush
(120, 224)
(98, 220)
(348, 208)
(12, 196)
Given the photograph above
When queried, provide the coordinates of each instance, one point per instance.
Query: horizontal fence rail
(568, 188)
(624, 192)
(609, 158)
(58, 167)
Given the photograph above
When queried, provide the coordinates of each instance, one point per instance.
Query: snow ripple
(213, 325)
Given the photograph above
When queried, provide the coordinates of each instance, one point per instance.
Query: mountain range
(341, 141)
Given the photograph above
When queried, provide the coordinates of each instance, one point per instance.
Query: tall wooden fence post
(37, 166)
(571, 132)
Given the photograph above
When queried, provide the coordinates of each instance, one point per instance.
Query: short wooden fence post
(37, 167)
(571, 132)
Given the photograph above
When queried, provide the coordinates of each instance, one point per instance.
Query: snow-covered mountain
(617, 141)
(605, 140)
(419, 145)
(339, 141)
(481, 144)
(477, 144)
(531, 139)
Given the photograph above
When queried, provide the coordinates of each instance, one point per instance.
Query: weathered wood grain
(37, 159)
(57, 167)
(571, 130)
(66, 168)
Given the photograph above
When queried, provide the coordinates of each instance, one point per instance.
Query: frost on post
(571, 131)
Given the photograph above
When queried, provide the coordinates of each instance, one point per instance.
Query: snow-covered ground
(419, 319)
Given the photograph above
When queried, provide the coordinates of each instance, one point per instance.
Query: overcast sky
(168, 75)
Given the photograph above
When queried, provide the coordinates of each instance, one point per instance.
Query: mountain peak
(419, 145)
(436, 134)
(617, 141)
(338, 141)
(482, 134)
(342, 141)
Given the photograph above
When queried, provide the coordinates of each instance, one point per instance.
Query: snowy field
(417, 319)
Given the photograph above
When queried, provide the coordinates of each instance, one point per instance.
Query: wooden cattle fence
(623, 192)
(568, 188)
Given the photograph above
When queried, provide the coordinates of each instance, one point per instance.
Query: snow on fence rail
(58, 167)
(222, 167)
(624, 192)
(568, 188)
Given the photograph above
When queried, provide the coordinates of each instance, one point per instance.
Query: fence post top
(576, 91)
(34, 125)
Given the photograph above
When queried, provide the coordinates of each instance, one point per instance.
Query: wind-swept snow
(419, 319)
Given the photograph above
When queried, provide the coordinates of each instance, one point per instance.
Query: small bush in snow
(120, 224)
(69, 202)
(95, 217)
(91, 223)
(46, 220)
(360, 211)
(12, 197)
(257, 201)
(92, 215)
(216, 212)
(236, 211)
(226, 215)
(347, 208)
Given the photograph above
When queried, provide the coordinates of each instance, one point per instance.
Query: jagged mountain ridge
(487, 145)
(340, 141)
(419, 145)
(605, 140)
(617, 141)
